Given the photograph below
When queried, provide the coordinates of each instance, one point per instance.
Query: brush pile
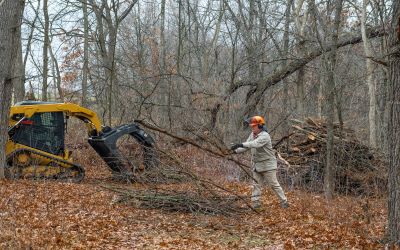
(358, 168)
(174, 186)
(179, 201)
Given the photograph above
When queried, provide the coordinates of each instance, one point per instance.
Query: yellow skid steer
(36, 144)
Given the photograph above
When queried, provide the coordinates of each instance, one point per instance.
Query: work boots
(284, 204)
(257, 206)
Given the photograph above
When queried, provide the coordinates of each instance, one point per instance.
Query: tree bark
(370, 79)
(29, 40)
(393, 132)
(180, 37)
(10, 20)
(56, 74)
(330, 164)
(46, 43)
(286, 106)
(300, 22)
(301, 112)
(18, 69)
(162, 39)
(329, 65)
(85, 69)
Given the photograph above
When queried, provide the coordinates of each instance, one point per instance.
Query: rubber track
(80, 169)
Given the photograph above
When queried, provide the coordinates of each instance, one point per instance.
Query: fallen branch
(225, 155)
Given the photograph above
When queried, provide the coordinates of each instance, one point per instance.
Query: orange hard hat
(255, 121)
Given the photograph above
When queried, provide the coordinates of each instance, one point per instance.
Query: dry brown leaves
(81, 216)
(53, 215)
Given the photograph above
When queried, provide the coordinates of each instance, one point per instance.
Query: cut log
(294, 149)
(312, 122)
(310, 151)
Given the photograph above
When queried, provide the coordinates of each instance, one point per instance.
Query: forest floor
(49, 214)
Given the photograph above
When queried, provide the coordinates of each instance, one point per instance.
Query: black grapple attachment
(106, 146)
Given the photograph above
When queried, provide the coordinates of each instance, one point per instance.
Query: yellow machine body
(36, 149)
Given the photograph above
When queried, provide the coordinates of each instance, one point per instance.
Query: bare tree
(46, 45)
(286, 83)
(56, 72)
(32, 26)
(328, 32)
(162, 39)
(10, 20)
(300, 20)
(109, 17)
(85, 69)
(393, 131)
(330, 66)
(18, 69)
(370, 78)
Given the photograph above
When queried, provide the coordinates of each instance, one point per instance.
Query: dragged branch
(243, 166)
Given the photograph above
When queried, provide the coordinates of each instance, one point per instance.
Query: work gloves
(236, 146)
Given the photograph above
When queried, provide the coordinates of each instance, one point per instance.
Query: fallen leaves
(76, 216)
(39, 214)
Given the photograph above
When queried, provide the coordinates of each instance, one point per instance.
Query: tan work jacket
(262, 155)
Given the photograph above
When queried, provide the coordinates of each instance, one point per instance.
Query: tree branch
(126, 12)
(243, 166)
(285, 71)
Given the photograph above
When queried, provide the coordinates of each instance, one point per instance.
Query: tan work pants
(270, 178)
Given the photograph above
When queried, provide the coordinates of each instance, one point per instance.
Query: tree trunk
(330, 65)
(251, 44)
(85, 69)
(10, 20)
(17, 72)
(286, 125)
(330, 115)
(111, 76)
(29, 43)
(300, 22)
(56, 74)
(18, 66)
(301, 113)
(46, 43)
(162, 39)
(339, 104)
(321, 90)
(180, 37)
(393, 132)
(370, 79)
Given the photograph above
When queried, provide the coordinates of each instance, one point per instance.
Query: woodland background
(200, 63)
(195, 69)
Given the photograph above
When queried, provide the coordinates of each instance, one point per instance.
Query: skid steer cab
(36, 145)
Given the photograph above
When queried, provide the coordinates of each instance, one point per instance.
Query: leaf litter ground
(39, 214)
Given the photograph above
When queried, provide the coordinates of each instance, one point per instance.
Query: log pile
(359, 170)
